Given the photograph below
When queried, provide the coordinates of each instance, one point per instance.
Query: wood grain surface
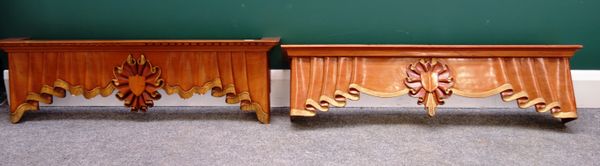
(237, 69)
(531, 75)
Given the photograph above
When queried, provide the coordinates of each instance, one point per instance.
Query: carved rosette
(137, 82)
(431, 82)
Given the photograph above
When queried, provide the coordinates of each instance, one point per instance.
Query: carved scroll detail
(522, 98)
(217, 90)
(137, 82)
(532, 76)
(214, 85)
(185, 65)
(58, 89)
(340, 98)
(431, 82)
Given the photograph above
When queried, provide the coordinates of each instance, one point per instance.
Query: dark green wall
(318, 21)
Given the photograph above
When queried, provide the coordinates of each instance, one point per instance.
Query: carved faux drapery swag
(236, 69)
(324, 76)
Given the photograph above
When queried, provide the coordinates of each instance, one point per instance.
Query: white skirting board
(585, 83)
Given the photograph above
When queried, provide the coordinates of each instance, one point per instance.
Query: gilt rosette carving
(431, 82)
(137, 82)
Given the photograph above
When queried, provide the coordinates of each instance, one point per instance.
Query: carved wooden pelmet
(329, 78)
(237, 70)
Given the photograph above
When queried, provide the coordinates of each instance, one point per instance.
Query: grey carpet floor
(351, 136)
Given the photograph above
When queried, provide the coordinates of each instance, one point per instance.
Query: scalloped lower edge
(58, 89)
(521, 98)
(326, 101)
(217, 90)
(61, 86)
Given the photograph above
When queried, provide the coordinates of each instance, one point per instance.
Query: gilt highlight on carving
(137, 82)
(42, 69)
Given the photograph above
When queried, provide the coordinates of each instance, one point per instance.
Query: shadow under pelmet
(335, 118)
(344, 117)
(154, 114)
